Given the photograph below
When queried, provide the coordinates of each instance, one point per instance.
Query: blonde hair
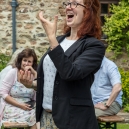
(14, 56)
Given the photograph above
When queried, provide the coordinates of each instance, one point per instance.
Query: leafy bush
(126, 109)
(125, 88)
(116, 28)
(3, 61)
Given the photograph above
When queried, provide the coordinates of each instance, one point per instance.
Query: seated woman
(15, 95)
(10, 64)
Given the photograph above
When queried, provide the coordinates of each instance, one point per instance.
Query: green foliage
(126, 109)
(3, 61)
(125, 88)
(116, 28)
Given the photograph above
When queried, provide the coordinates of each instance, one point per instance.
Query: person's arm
(7, 83)
(50, 29)
(115, 91)
(84, 64)
(29, 77)
(5, 88)
(33, 72)
(34, 85)
(15, 103)
(28, 80)
(115, 79)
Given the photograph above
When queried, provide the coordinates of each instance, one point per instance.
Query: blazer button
(56, 97)
(57, 82)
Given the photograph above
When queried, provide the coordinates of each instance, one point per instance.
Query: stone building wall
(29, 31)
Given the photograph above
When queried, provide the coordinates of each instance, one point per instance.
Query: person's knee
(97, 114)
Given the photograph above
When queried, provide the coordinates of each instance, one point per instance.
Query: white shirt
(49, 76)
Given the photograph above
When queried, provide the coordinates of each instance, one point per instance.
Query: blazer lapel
(74, 47)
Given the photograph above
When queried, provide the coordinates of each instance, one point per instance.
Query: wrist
(52, 37)
(19, 105)
(53, 47)
(35, 79)
(106, 105)
(32, 86)
(53, 42)
(35, 75)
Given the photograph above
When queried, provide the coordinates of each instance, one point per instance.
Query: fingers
(97, 105)
(49, 27)
(41, 17)
(100, 106)
(32, 77)
(26, 78)
(28, 75)
(27, 107)
(44, 20)
(27, 68)
(21, 73)
(56, 19)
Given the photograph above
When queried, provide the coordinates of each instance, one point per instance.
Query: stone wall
(29, 31)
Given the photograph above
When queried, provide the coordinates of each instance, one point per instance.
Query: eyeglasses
(72, 4)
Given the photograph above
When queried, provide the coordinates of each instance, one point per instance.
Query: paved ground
(125, 115)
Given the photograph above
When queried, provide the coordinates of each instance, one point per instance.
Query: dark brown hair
(91, 23)
(25, 54)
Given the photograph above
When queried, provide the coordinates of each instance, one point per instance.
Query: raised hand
(26, 78)
(50, 27)
(29, 68)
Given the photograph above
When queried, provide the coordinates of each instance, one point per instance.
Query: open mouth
(70, 16)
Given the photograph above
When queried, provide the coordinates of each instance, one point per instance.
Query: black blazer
(72, 106)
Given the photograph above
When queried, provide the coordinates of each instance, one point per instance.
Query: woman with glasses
(66, 72)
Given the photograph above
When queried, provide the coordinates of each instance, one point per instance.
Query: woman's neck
(73, 35)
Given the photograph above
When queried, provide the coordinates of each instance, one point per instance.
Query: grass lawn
(122, 126)
(119, 126)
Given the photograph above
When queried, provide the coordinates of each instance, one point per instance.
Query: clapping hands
(27, 76)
